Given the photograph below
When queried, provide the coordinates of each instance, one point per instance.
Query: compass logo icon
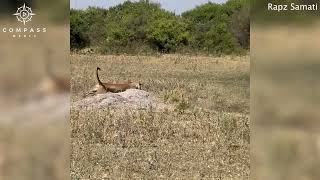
(24, 14)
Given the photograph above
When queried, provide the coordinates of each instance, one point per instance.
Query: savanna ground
(285, 102)
(207, 135)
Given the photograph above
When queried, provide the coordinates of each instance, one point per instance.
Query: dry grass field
(285, 102)
(206, 136)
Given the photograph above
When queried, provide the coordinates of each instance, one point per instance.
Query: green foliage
(78, 30)
(214, 29)
(126, 26)
(95, 22)
(168, 34)
(206, 13)
(135, 27)
(220, 40)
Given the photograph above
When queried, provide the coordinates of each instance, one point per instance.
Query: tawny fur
(121, 87)
(101, 87)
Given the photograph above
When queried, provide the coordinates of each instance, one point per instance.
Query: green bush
(95, 24)
(213, 28)
(135, 27)
(166, 35)
(127, 25)
(78, 30)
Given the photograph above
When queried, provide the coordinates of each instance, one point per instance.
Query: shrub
(211, 26)
(135, 27)
(166, 35)
(78, 30)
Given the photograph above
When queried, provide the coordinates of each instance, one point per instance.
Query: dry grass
(285, 105)
(205, 137)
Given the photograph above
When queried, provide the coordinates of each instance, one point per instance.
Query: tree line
(144, 27)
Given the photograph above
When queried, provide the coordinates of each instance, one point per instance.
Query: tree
(210, 26)
(168, 34)
(78, 30)
(134, 27)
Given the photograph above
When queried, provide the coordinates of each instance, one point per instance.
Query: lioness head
(134, 85)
